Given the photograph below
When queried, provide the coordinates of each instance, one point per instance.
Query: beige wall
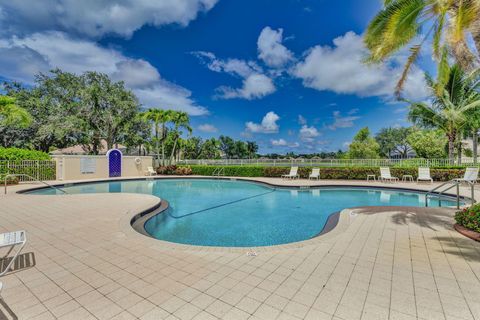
(68, 167)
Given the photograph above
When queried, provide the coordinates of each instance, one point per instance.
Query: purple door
(114, 163)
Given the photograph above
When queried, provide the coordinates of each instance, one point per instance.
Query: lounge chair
(315, 174)
(12, 239)
(150, 171)
(292, 175)
(471, 175)
(424, 175)
(385, 175)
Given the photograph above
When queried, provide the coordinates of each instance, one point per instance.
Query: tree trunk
(157, 141)
(163, 144)
(451, 148)
(475, 144)
(172, 156)
(459, 149)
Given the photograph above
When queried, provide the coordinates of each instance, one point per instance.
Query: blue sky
(287, 74)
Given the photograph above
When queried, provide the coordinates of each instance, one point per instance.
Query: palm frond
(393, 27)
(437, 35)
(443, 72)
(414, 53)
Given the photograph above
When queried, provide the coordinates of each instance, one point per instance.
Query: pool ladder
(31, 179)
(219, 172)
(439, 191)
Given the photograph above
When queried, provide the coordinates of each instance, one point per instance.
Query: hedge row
(343, 173)
(14, 154)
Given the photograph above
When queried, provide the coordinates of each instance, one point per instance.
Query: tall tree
(159, 119)
(107, 108)
(210, 149)
(472, 129)
(363, 146)
(393, 140)
(428, 144)
(13, 115)
(53, 103)
(180, 120)
(452, 99)
(192, 148)
(446, 23)
(252, 149)
(227, 146)
(138, 134)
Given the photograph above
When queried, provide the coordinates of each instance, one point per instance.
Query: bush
(14, 154)
(10, 180)
(174, 170)
(469, 218)
(341, 173)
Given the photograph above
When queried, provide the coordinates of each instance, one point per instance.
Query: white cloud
(271, 50)
(96, 17)
(166, 95)
(301, 120)
(353, 111)
(278, 143)
(308, 134)
(22, 58)
(232, 66)
(268, 125)
(254, 86)
(343, 122)
(341, 69)
(255, 83)
(207, 128)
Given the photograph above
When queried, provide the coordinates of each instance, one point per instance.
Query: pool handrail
(32, 178)
(453, 183)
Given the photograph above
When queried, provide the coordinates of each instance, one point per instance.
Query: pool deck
(84, 261)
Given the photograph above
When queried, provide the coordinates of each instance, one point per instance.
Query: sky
(288, 74)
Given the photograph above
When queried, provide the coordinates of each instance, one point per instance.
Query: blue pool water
(242, 214)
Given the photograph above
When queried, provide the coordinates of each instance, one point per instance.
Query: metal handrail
(33, 178)
(454, 183)
(219, 172)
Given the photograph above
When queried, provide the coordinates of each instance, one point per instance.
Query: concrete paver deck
(83, 261)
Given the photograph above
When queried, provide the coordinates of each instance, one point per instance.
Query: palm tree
(448, 24)
(13, 115)
(159, 118)
(453, 98)
(252, 148)
(180, 120)
(472, 128)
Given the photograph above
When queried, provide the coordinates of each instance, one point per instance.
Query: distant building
(81, 150)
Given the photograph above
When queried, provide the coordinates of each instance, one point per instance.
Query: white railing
(333, 162)
(39, 169)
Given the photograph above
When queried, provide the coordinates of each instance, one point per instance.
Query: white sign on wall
(87, 165)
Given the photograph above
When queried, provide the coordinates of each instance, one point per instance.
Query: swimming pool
(213, 212)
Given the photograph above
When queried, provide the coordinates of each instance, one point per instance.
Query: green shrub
(238, 171)
(10, 180)
(14, 154)
(174, 170)
(469, 218)
(341, 173)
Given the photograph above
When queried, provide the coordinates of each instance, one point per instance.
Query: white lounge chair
(471, 175)
(12, 239)
(293, 173)
(424, 175)
(315, 174)
(385, 175)
(150, 171)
